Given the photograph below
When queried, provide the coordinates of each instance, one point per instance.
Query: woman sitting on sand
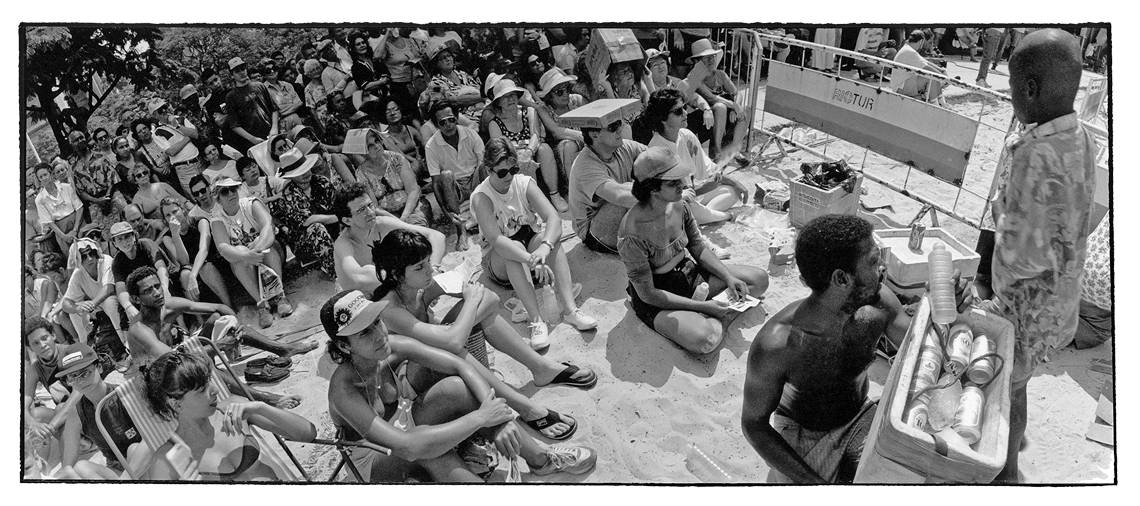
(671, 270)
(419, 401)
(708, 195)
(517, 251)
(215, 434)
(402, 264)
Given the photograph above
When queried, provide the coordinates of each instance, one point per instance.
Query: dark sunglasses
(446, 121)
(101, 138)
(89, 253)
(202, 191)
(502, 173)
(564, 90)
(614, 127)
(680, 111)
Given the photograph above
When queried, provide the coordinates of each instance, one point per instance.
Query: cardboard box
(600, 113)
(609, 46)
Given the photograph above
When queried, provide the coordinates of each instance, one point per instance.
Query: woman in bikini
(402, 139)
(211, 434)
(418, 401)
(520, 126)
(402, 261)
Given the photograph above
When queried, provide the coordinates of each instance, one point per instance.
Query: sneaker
(539, 335)
(567, 459)
(264, 316)
(559, 203)
(580, 320)
(284, 308)
(720, 252)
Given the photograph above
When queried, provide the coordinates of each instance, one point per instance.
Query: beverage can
(918, 413)
(981, 371)
(958, 346)
(917, 232)
(929, 364)
(968, 417)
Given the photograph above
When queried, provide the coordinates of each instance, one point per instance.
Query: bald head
(1045, 73)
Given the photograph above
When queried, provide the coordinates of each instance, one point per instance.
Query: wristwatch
(548, 244)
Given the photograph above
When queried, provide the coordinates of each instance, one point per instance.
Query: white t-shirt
(82, 287)
(906, 56)
(689, 152)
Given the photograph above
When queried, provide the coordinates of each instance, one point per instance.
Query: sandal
(566, 377)
(518, 311)
(265, 374)
(278, 362)
(553, 417)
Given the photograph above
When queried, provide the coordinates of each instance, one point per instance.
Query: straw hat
(658, 163)
(552, 79)
(703, 47)
(503, 88)
(652, 53)
(294, 164)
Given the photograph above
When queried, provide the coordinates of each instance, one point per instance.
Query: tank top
(398, 61)
(520, 137)
(242, 226)
(512, 209)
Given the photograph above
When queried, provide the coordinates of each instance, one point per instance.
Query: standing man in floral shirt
(1043, 214)
(94, 177)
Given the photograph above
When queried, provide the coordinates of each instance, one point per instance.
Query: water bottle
(548, 304)
(943, 309)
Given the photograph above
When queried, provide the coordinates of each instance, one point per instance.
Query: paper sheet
(452, 281)
(740, 306)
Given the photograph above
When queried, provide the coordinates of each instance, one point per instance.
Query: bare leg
(756, 278)
(695, 332)
(446, 400)
(548, 167)
(563, 283)
(213, 279)
(248, 278)
(260, 341)
(567, 152)
(704, 215)
(519, 276)
(720, 119)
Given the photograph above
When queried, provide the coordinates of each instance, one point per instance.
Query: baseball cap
(75, 357)
(658, 163)
(351, 313)
(236, 62)
(121, 228)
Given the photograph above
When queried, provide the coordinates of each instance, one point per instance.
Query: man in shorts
(452, 155)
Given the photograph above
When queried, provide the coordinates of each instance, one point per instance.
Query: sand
(655, 406)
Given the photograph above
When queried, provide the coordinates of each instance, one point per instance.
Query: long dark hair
(392, 255)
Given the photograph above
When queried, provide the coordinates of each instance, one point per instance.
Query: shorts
(524, 235)
(593, 243)
(682, 280)
(833, 454)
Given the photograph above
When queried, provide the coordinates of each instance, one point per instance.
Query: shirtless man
(157, 330)
(363, 224)
(806, 410)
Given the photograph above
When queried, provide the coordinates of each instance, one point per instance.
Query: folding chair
(125, 418)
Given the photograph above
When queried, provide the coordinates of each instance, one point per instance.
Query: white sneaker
(580, 320)
(559, 203)
(539, 335)
(567, 459)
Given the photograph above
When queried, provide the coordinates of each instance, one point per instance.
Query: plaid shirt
(1042, 213)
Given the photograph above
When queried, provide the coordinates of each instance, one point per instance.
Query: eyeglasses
(502, 173)
(446, 121)
(614, 127)
(79, 375)
(680, 111)
(227, 189)
(370, 205)
(199, 193)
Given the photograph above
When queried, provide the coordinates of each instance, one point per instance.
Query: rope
(998, 366)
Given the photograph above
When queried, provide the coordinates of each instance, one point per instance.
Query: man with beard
(806, 409)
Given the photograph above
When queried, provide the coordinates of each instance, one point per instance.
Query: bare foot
(287, 401)
(299, 348)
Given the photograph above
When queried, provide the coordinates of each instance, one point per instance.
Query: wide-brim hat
(652, 53)
(702, 48)
(658, 163)
(75, 357)
(436, 48)
(294, 163)
(552, 79)
(305, 146)
(503, 88)
(352, 312)
(295, 132)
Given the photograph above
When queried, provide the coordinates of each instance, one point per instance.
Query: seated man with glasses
(452, 154)
(601, 178)
(79, 368)
(91, 288)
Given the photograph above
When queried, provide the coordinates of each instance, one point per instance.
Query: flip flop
(566, 377)
(552, 417)
(518, 312)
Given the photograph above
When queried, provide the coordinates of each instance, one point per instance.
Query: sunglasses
(680, 111)
(79, 375)
(199, 193)
(614, 127)
(101, 138)
(89, 253)
(564, 90)
(502, 173)
(227, 189)
(447, 121)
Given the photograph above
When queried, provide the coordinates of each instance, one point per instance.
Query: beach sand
(656, 410)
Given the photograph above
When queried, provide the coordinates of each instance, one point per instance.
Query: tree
(87, 62)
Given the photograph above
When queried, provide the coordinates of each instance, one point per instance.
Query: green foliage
(189, 50)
